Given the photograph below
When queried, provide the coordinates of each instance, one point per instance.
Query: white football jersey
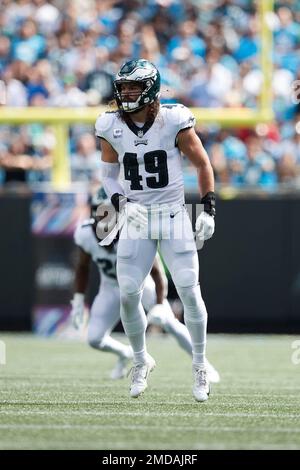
(105, 259)
(151, 163)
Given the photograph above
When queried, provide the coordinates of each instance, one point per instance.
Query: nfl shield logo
(117, 133)
(140, 133)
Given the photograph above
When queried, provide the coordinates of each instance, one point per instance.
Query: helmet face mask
(135, 72)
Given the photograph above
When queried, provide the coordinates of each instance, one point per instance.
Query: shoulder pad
(179, 116)
(104, 123)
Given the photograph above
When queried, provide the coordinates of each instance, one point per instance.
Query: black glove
(209, 201)
(118, 201)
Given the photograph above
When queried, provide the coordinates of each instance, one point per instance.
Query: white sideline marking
(148, 414)
(147, 427)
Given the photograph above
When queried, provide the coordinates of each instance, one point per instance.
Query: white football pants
(171, 228)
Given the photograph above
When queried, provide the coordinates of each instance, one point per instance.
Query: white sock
(195, 317)
(135, 323)
(140, 357)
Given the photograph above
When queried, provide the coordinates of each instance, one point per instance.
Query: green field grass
(57, 395)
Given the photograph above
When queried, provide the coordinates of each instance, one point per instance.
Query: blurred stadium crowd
(65, 53)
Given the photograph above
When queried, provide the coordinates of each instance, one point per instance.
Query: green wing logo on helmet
(101, 194)
(99, 198)
(128, 67)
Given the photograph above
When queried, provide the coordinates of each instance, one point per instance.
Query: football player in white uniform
(105, 310)
(145, 140)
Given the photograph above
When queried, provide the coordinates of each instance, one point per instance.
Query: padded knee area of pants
(95, 341)
(129, 286)
(130, 302)
(185, 278)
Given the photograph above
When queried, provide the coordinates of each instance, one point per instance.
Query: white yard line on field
(148, 414)
(134, 427)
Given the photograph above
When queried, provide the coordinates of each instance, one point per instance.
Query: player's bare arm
(108, 153)
(110, 169)
(191, 146)
(160, 280)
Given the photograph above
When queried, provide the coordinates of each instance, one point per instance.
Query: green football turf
(56, 395)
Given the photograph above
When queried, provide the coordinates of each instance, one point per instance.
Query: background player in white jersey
(105, 310)
(145, 140)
